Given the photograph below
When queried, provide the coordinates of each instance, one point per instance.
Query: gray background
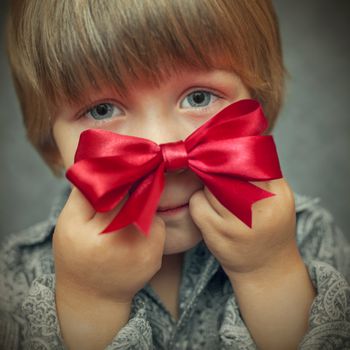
(312, 134)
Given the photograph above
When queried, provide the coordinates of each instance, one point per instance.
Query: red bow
(225, 152)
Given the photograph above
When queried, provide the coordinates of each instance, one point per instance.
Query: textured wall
(312, 135)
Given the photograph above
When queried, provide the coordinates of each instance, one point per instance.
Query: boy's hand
(109, 266)
(263, 263)
(243, 250)
(97, 276)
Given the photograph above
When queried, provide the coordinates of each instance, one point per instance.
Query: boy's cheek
(66, 137)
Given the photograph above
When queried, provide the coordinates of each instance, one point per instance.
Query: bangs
(80, 44)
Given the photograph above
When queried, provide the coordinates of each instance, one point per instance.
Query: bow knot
(174, 155)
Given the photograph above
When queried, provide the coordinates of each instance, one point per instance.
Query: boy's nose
(160, 131)
(170, 138)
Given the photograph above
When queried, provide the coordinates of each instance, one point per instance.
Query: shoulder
(23, 256)
(318, 236)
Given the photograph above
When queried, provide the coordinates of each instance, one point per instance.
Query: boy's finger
(156, 239)
(203, 213)
(129, 233)
(78, 206)
(101, 220)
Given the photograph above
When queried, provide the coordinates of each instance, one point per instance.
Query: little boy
(202, 279)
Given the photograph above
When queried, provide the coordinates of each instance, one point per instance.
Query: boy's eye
(198, 99)
(103, 111)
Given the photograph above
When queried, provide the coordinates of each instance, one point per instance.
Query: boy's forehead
(165, 76)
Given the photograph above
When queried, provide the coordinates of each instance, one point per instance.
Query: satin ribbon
(226, 153)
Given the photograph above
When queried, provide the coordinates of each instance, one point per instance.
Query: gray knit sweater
(209, 314)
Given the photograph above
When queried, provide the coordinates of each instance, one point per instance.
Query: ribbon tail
(236, 195)
(142, 204)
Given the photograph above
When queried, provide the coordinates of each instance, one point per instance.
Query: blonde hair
(57, 48)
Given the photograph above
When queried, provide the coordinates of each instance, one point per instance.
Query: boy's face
(165, 113)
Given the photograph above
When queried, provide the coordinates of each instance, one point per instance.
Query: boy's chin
(180, 240)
